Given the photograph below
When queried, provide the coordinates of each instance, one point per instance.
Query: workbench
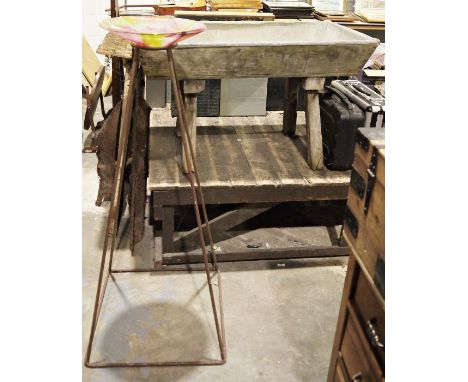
(305, 52)
(253, 167)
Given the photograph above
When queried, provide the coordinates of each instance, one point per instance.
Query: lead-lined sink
(230, 49)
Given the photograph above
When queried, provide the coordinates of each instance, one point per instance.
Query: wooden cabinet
(364, 221)
(359, 347)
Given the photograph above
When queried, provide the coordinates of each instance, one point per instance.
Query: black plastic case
(340, 119)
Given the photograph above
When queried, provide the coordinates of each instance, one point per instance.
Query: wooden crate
(364, 226)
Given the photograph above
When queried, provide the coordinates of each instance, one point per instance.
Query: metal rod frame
(111, 228)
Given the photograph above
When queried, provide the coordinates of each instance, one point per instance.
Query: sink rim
(360, 38)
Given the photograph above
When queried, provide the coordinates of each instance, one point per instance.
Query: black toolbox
(369, 101)
(340, 119)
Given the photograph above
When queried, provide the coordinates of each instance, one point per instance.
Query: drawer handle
(356, 377)
(372, 334)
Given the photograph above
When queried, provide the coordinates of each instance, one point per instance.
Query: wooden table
(305, 52)
(254, 167)
(252, 171)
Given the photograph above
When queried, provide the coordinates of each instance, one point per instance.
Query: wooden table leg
(312, 86)
(167, 241)
(191, 90)
(290, 106)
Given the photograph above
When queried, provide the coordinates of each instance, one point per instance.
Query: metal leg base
(205, 362)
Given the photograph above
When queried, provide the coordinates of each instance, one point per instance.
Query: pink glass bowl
(153, 32)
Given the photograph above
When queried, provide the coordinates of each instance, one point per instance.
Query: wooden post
(290, 106)
(312, 86)
(191, 89)
(167, 241)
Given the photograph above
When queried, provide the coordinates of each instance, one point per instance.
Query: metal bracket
(362, 141)
(351, 221)
(358, 184)
(371, 174)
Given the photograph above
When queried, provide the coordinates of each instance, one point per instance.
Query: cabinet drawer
(371, 315)
(340, 372)
(360, 364)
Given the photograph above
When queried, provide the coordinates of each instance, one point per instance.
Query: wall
(93, 12)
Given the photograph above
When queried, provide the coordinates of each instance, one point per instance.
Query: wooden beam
(191, 89)
(139, 165)
(253, 194)
(167, 229)
(313, 84)
(290, 106)
(207, 15)
(312, 114)
(193, 86)
(221, 224)
(261, 254)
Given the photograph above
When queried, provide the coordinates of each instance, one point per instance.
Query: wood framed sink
(230, 49)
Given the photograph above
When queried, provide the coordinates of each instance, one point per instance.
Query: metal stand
(111, 227)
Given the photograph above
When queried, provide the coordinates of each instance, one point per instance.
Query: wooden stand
(312, 86)
(254, 167)
(190, 89)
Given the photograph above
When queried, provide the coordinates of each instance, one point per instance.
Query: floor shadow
(153, 332)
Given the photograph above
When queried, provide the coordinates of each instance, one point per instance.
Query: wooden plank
(107, 141)
(118, 200)
(96, 91)
(285, 167)
(291, 157)
(259, 129)
(256, 150)
(230, 161)
(190, 89)
(90, 66)
(261, 254)
(290, 106)
(208, 160)
(255, 194)
(226, 15)
(323, 176)
(167, 241)
(215, 162)
(221, 224)
(252, 61)
(314, 132)
(164, 169)
(240, 171)
(116, 46)
(190, 101)
(139, 169)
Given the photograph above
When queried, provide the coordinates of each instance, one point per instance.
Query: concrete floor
(280, 315)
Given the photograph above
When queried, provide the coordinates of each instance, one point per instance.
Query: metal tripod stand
(111, 226)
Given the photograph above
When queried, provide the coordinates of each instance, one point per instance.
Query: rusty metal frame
(111, 228)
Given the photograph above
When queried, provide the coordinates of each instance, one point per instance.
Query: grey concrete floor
(280, 315)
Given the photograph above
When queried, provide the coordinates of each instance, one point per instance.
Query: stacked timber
(236, 5)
